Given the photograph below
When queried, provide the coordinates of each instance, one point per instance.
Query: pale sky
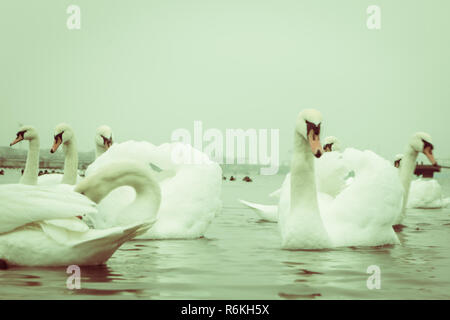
(146, 68)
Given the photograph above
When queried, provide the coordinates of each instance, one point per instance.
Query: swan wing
(425, 193)
(190, 186)
(364, 212)
(23, 204)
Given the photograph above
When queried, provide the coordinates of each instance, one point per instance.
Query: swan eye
(328, 147)
(21, 133)
(311, 126)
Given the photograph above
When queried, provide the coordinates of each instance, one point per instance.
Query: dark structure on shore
(427, 170)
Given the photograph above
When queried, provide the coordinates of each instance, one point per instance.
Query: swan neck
(303, 184)
(99, 150)
(407, 167)
(30, 173)
(70, 162)
(148, 195)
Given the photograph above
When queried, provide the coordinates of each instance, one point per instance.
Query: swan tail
(275, 194)
(265, 212)
(101, 244)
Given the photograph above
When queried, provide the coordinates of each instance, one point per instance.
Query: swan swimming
(29, 133)
(103, 140)
(420, 142)
(331, 174)
(361, 215)
(342, 164)
(425, 193)
(331, 143)
(65, 136)
(135, 174)
(190, 191)
(41, 225)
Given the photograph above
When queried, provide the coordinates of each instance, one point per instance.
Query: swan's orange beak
(18, 139)
(314, 142)
(56, 144)
(429, 153)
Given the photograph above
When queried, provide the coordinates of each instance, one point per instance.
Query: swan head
(104, 137)
(421, 142)
(308, 126)
(331, 143)
(63, 134)
(397, 160)
(25, 133)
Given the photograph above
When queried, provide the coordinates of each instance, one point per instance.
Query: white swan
(426, 193)
(103, 140)
(423, 192)
(39, 227)
(64, 135)
(30, 174)
(190, 188)
(397, 159)
(419, 142)
(331, 143)
(332, 176)
(361, 215)
(134, 174)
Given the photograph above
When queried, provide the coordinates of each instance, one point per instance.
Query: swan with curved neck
(39, 226)
(362, 214)
(30, 174)
(103, 140)
(420, 142)
(64, 135)
(125, 173)
(190, 193)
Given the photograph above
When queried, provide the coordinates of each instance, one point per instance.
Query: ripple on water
(240, 258)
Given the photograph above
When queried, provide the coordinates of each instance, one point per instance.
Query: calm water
(240, 258)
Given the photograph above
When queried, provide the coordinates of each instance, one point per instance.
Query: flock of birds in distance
(135, 189)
